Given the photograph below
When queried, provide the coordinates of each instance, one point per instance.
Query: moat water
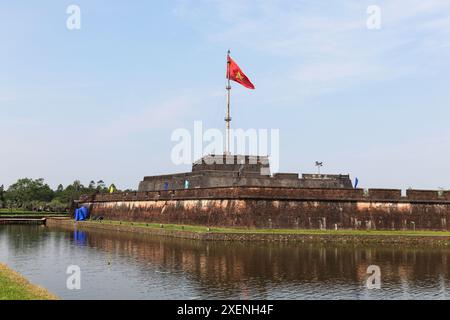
(125, 266)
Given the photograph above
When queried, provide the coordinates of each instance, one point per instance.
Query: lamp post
(319, 165)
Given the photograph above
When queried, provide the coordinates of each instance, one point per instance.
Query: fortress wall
(276, 208)
(286, 175)
(234, 192)
(422, 194)
(385, 194)
(279, 192)
(212, 179)
(446, 195)
(175, 181)
(289, 214)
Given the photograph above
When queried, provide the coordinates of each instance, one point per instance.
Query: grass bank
(15, 287)
(203, 229)
(380, 237)
(19, 212)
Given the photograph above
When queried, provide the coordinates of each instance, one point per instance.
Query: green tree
(101, 186)
(2, 196)
(26, 190)
(57, 206)
(72, 192)
(59, 191)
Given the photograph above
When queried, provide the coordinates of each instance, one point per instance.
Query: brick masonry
(265, 207)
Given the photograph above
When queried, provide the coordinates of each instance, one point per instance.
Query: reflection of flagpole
(228, 118)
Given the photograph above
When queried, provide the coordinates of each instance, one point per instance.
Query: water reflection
(79, 237)
(124, 265)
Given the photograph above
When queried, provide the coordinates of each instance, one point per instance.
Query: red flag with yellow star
(235, 73)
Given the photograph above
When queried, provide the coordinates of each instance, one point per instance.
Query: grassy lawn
(203, 229)
(15, 287)
(17, 212)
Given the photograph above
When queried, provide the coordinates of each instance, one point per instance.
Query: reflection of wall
(221, 266)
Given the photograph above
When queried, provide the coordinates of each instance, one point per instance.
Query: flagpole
(228, 118)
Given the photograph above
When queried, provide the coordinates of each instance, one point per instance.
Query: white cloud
(325, 42)
(169, 113)
(150, 118)
(399, 11)
(439, 25)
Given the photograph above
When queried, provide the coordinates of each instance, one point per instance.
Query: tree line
(36, 195)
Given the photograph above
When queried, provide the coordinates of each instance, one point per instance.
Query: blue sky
(102, 102)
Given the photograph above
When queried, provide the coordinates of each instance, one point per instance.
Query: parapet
(325, 176)
(244, 164)
(422, 194)
(385, 194)
(286, 176)
(446, 195)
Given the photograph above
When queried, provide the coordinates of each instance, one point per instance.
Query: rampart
(239, 171)
(268, 207)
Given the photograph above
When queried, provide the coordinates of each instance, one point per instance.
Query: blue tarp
(81, 214)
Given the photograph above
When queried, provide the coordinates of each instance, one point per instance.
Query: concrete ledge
(22, 221)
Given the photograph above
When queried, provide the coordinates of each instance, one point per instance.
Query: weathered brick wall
(422, 194)
(276, 193)
(278, 208)
(385, 194)
(279, 214)
(234, 193)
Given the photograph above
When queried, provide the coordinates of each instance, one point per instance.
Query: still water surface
(128, 266)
